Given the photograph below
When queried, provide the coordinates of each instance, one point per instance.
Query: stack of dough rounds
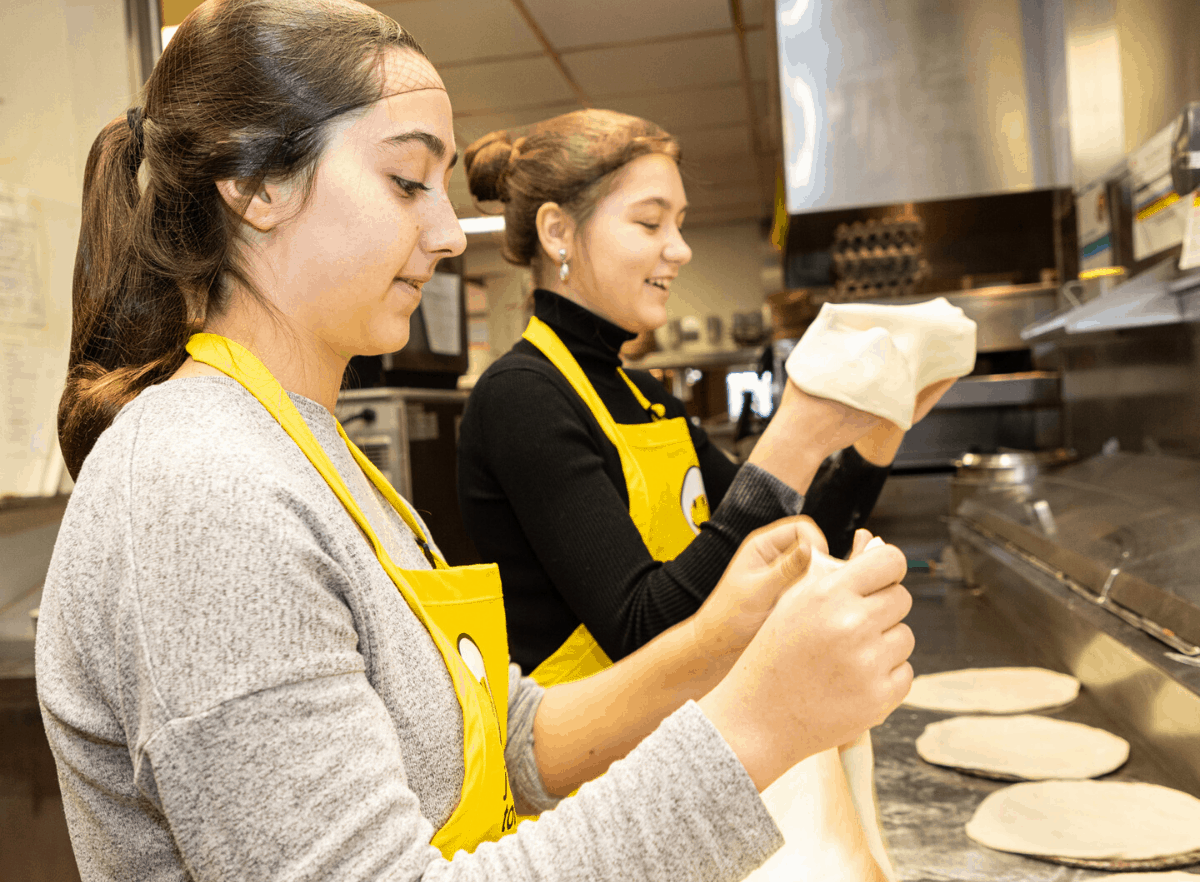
(1089, 820)
(1026, 746)
(877, 358)
(992, 690)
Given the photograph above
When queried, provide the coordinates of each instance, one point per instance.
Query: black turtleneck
(543, 495)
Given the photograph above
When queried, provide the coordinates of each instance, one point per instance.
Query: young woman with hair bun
(610, 515)
(252, 660)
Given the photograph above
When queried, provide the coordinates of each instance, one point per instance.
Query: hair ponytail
(244, 90)
(128, 325)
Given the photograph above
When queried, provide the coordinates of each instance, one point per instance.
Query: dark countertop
(924, 808)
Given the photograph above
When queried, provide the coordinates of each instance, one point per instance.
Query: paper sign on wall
(1190, 258)
(1158, 212)
(443, 317)
(22, 300)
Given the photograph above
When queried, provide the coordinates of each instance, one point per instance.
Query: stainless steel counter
(925, 807)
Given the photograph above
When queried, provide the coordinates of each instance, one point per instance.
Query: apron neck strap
(656, 411)
(241, 364)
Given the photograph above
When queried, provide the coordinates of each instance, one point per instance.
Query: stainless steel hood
(917, 100)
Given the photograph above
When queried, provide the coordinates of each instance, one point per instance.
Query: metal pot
(988, 471)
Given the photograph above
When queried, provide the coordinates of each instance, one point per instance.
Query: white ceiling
(509, 63)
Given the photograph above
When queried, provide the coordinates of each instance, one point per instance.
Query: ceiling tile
(588, 22)
(461, 30)
(718, 194)
(724, 214)
(754, 12)
(679, 112)
(728, 141)
(500, 85)
(470, 128)
(716, 169)
(670, 65)
(762, 55)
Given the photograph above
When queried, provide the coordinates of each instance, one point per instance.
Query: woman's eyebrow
(433, 143)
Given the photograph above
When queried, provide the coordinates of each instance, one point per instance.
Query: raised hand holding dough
(992, 690)
(877, 358)
(1026, 746)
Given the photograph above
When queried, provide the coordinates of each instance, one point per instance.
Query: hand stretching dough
(992, 690)
(877, 358)
(826, 809)
(1026, 746)
(1088, 819)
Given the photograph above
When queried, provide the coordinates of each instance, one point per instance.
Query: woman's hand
(929, 396)
(879, 445)
(770, 561)
(804, 431)
(830, 661)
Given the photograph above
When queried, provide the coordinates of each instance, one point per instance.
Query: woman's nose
(677, 250)
(444, 235)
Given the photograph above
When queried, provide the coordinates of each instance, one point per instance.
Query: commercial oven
(411, 435)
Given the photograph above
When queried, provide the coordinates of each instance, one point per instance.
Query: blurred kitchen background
(1030, 160)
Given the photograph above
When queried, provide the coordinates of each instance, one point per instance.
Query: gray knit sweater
(233, 689)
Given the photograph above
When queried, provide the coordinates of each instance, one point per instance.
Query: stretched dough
(1088, 819)
(824, 836)
(992, 690)
(1027, 746)
(826, 808)
(877, 358)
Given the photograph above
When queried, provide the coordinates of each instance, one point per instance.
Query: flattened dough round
(1167, 876)
(992, 690)
(1088, 819)
(1027, 746)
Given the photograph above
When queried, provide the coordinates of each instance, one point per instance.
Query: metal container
(977, 472)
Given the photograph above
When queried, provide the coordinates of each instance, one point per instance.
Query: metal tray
(1122, 530)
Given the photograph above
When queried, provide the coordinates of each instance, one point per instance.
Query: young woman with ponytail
(610, 515)
(252, 661)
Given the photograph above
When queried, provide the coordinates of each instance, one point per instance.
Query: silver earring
(564, 268)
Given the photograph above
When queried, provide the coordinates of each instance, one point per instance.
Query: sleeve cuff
(757, 497)
(529, 791)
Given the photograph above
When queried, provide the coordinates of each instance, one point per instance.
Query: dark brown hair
(243, 92)
(569, 159)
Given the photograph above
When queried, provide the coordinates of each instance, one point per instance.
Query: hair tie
(134, 118)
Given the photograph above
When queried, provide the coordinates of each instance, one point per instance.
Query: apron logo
(473, 658)
(693, 499)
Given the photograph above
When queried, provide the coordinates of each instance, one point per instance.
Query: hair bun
(486, 161)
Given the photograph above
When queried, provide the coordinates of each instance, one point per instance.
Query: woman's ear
(265, 208)
(556, 231)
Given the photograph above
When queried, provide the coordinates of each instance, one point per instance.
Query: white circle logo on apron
(693, 500)
(472, 657)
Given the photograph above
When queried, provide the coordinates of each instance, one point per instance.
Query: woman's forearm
(803, 431)
(581, 728)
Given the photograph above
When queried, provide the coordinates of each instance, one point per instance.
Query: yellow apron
(667, 501)
(461, 607)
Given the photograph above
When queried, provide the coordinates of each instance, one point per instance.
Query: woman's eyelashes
(409, 188)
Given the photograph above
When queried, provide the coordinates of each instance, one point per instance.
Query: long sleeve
(842, 496)
(551, 472)
(234, 689)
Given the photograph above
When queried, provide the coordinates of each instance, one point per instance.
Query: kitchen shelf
(1162, 295)
(679, 359)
